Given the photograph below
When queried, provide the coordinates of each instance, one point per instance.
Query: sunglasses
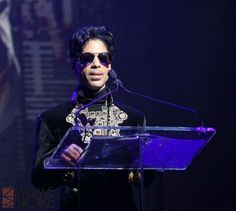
(87, 58)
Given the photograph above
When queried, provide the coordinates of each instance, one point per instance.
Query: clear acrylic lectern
(140, 148)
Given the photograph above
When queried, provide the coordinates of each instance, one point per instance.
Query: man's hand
(71, 153)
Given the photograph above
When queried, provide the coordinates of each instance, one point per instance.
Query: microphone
(118, 83)
(113, 76)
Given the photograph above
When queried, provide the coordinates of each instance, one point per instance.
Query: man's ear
(109, 67)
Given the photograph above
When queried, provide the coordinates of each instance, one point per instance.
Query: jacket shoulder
(58, 112)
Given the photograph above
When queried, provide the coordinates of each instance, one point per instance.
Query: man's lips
(95, 75)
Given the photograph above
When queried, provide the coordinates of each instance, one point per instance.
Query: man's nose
(96, 62)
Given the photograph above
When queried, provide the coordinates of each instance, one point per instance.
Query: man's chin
(96, 86)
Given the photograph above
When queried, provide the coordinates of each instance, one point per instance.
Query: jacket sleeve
(46, 143)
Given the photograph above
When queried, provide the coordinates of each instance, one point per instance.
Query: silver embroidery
(102, 118)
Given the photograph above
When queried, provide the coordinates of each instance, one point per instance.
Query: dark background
(180, 51)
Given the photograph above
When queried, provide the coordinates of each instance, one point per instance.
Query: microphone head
(112, 74)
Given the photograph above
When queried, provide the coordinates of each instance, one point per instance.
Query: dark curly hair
(83, 35)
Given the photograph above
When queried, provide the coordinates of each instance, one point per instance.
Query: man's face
(95, 74)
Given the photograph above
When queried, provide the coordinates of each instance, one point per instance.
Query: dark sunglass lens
(105, 58)
(86, 58)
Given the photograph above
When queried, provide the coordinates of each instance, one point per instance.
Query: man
(91, 51)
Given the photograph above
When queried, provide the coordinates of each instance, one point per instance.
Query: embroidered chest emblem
(107, 116)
